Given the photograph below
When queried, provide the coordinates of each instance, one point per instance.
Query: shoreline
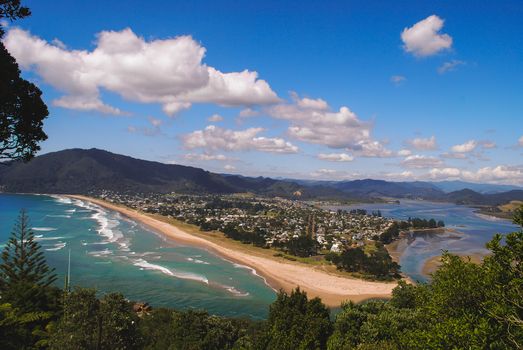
(317, 281)
(433, 263)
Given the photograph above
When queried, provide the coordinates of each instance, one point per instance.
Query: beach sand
(333, 288)
(432, 264)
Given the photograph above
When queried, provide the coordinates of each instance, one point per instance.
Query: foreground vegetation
(465, 306)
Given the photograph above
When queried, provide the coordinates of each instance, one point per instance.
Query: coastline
(317, 281)
(432, 264)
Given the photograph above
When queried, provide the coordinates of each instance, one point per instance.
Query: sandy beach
(332, 288)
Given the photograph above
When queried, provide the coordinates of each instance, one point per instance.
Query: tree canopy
(22, 110)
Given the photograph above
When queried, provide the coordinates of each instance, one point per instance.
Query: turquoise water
(112, 253)
(474, 230)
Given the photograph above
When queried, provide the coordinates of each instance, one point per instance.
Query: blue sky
(395, 90)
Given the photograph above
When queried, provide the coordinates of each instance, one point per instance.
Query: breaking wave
(144, 264)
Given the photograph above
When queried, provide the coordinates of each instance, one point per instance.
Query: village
(274, 221)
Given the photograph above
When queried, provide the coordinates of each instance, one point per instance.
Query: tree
(12, 10)
(24, 273)
(297, 323)
(22, 110)
(89, 323)
(25, 284)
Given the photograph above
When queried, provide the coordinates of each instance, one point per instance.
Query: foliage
(30, 303)
(464, 306)
(22, 110)
(89, 323)
(297, 323)
(12, 10)
(377, 264)
(24, 274)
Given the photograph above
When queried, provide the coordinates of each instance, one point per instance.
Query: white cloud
(311, 120)
(421, 161)
(229, 167)
(248, 112)
(206, 157)
(424, 39)
(520, 141)
(404, 175)
(215, 118)
(336, 157)
(450, 66)
(404, 152)
(215, 138)
(497, 174)
(397, 79)
(165, 71)
(309, 103)
(372, 149)
(445, 173)
(466, 147)
(423, 144)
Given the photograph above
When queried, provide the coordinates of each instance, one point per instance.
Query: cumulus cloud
(466, 147)
(336, 157)
(215, 138)
(497, 174)
(450, 66)
(397, 79)
(423, 144)
(424, 38)
(215, 118)
(165, 71)
(229, 167)
(421, 161)
(312, 121)
(404, 152)
(445, 173)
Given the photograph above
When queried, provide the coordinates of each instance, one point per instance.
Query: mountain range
(80, 171)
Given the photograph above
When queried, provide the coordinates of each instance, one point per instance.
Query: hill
(79, 171)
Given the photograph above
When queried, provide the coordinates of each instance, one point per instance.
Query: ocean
(112, 253)
(470, 230)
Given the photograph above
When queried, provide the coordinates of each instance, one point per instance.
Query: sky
(403, 90)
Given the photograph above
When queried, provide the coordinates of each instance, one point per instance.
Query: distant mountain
(451, 186)
(79, 171)
(381, 188)
(469, 197)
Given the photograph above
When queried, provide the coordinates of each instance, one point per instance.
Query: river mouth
(465, 233)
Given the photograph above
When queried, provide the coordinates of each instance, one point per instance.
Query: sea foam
(57, 246)
(144, 264)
